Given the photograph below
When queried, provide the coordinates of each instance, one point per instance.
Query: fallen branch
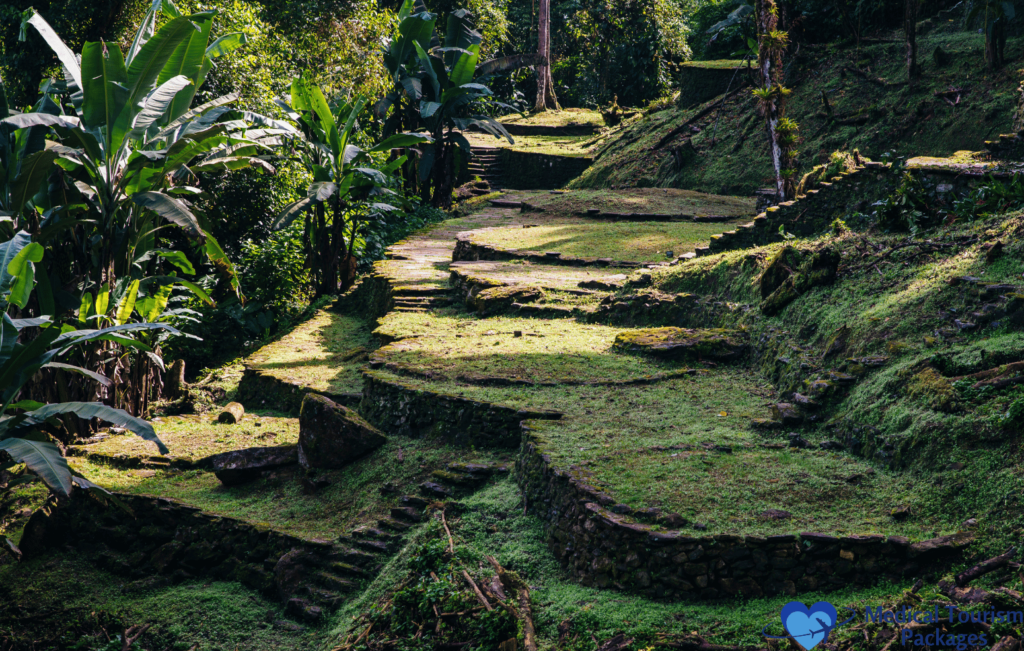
(984, 567)
(451, 543)
(513, 583)
(479, 595)
(132, 635)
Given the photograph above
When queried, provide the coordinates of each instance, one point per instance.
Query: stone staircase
(486, 163)
(419, 299)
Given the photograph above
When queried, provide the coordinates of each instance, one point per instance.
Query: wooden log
(984, 567)
(232, 413)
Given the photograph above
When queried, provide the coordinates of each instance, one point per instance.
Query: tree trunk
(910, 14)
(545, 87)
(766, 22)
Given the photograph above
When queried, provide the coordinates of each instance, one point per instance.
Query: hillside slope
(873, 111)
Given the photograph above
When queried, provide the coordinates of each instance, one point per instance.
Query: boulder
(681, 343)
(787, 413)
(240, 466)
(331, 435)
(501, 298)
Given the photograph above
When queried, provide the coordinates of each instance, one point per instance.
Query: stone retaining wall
(603, 546)
(261, 390)
(396, 407)
(525, 170)
(171, 540)
(812, 213)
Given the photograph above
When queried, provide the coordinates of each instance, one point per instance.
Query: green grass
(626, 241)
(352, 498)
(526, 272)
(561, 145)
(565, 117)
(559, 350)
(913, 123)
(494, 524)
(192, 437)
(721, 64)
(662, 201)
(730, 492)
(324, 354)
(56, 602)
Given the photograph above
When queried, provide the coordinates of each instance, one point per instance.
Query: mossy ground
(283, 503)
(194, 436)
(324, 353)
(872, 117)
(583, 146)
(559, 350)
(627, 241)
(565, 117)
(526, 272)
(64, 602)
(661, 201)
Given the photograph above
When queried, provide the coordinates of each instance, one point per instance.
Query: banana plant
(437, 86)
(339, 201)
(121, 169)
(128, 154)
(24, 423)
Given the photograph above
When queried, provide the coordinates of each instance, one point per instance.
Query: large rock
(331, 435)
(240, 466)
(681, 343)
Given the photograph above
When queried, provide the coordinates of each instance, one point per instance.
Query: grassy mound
(663, 201)
(526, 350)
(626, 241)
(563, 118)
(281, 501)
(872, 109)
(324, 354)
(193, 437)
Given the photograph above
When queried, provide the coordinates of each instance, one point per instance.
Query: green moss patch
(323, 354)
(518, 272)
(574, 146)
(626, 241)
(726, 154)
(67, 603)
(527, 350)
(680, 343)
(565, 117)
(193, 437)
(661, 201)
(764, 491)
(280, 501)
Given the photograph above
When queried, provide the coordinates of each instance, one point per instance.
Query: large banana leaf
(9, 250)
(23, 271)
(144, 68)
(170, 209)
(503, 64)
(87, 410)
(44, 459)
(34, 170)
(157, 103)
(187, 60)
(63, 52)
(104, 94)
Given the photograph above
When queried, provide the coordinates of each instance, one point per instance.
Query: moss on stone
(680, 343)
(933, 390)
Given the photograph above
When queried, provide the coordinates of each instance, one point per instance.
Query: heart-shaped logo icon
(809, 627)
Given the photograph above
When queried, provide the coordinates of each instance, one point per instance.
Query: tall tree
(546, 98)
(769, 95)
(910, 14)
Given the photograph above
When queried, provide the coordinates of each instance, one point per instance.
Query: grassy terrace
(324, 353)
(280, 500)
(664, 201)
(563, 118)
(628, 241)
(560, 145)
(194, 436)
(546, 350)
(619, 434)
(525, 272)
